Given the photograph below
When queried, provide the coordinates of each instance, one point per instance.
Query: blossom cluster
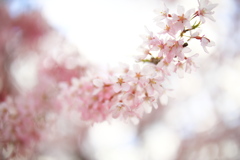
(24, 113)
(65, 85)
(135, 91)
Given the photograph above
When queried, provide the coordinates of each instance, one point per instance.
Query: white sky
(106, 31)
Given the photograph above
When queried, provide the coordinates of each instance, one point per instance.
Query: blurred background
(202, 116)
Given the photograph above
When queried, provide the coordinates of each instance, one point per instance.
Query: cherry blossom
(149, 102)
(119, 109)
(190, 63)
(168, 28)
(164, 68)
(138, 75)
(162, 13)
(205, 10)
(205, 42)
(183, 18)
(120, 83)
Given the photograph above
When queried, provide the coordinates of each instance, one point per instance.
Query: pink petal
(115, 113)
(116, 88)
(98, 82)
(125, 87)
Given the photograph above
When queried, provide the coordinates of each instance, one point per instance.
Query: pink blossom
(154, 84)
(120, 84)
(205, 42)
(162, 13)
(119, 109)
(190, 63)
(164, 68)
(138, 75)
(168, 28)
(205, 10)
(98, 82)
(148, 103)
(179, 69)
(175, 50)
(182, 18)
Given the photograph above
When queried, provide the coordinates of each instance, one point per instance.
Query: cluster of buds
(139, 89)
